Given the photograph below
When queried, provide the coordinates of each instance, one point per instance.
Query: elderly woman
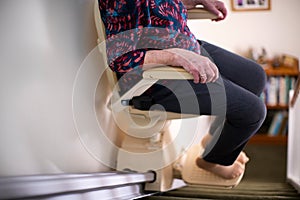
(145, 32)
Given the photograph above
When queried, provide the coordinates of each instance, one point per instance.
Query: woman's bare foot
(242, 158)
(227, 172)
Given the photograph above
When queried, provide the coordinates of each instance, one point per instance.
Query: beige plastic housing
(151, 127)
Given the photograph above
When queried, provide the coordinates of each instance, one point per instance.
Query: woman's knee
(256, 112)
(260, 78)
(250, 112)
(260, 110)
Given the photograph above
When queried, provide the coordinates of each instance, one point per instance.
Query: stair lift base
(127, 161)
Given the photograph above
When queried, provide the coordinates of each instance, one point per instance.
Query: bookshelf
(276, 96)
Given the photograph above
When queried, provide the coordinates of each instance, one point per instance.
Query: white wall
(43, 44)
(277, 30)
(293, 161)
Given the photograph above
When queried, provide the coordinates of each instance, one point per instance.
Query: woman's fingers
(215, 72)
(202, 68)
(195, 74)
(203, 72)
(208, 71)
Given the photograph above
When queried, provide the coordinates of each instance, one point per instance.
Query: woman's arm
(202, 68)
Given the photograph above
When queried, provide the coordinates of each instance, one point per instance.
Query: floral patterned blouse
(135, 26)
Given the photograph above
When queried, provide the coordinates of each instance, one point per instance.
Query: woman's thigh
(222, 97)
(237, 69)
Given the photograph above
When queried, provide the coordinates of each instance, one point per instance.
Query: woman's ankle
(227, 172)
(206, 139)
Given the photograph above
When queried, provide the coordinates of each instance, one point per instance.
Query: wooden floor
(244, 191)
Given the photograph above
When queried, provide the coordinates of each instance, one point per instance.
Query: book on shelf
(283, 90)
(277, 90)
(272, 91)
(278, 124)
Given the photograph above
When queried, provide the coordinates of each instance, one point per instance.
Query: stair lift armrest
(167, 72)
(150, 77)
(200, 13)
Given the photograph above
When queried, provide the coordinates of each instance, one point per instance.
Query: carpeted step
(244, 191)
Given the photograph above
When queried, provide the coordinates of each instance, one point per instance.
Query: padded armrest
(200, 13)
(150, 77)
(166, 72)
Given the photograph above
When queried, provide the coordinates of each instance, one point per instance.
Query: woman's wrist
(199, 1)
(159, 57)
(189, 4)
(204, 1)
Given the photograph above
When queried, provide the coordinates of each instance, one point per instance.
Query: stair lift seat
(147, 137)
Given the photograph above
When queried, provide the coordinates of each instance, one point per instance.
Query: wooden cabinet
(280, 80)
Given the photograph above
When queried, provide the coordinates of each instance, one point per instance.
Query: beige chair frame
(162, 136)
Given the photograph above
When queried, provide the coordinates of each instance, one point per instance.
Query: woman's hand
(202, 68)
(214, 6)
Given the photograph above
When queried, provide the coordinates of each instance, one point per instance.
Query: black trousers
(234, 98)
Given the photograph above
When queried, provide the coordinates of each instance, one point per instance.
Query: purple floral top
(135, 26)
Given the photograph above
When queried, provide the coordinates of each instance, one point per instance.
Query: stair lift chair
(147, 141)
